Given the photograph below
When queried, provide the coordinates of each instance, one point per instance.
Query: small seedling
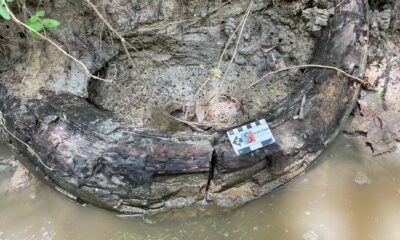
(216, 73)
(36, 23)
(4, 13)
(272, 88)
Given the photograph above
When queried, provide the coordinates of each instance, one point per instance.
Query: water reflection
(324, 203)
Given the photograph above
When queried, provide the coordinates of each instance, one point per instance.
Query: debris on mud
(377, 119)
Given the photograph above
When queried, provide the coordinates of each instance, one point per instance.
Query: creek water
(347, 194)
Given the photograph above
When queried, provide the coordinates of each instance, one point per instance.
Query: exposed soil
(179, 60)
(178, 43)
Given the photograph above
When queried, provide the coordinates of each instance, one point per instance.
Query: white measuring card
(251, 137)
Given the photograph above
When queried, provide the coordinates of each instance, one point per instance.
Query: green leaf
(10, 1)
(271, 88)
(40, 14)
(37, 26)
(4, 12)
(33, 19)
(51, 23)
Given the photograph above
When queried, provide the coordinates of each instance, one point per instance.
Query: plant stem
(307, 66)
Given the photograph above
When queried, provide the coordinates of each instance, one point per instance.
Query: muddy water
(346, 195)
(5, 171)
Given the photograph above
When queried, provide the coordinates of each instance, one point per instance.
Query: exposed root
(193, 125)
(301, 112)
(122, 39)
(241, 27)
(241, 24)
(17, 21)
(246, 16)
(359, 80)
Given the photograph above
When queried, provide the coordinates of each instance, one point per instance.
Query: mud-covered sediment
(175, 45)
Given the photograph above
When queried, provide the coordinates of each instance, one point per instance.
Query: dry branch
(242, 23)
(122, 39)
(359, 80)
(246, 16)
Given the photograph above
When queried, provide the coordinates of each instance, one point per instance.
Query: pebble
(361, 178)
(310, 235)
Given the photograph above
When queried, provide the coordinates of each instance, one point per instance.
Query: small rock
(221, 111)
(117, 181)
(21, 179)
(310, 235)
(362, 178)
(317, 18)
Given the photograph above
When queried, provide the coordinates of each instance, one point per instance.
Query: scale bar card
(251, 137)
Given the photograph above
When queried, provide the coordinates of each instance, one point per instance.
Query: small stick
(223, 52)
(233, 35)
(190, 124)
(246, 16)
(122, 39)
(16, 20)
(303, 102)
(307, 66)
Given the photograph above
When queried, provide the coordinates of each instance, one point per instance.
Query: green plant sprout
(216, 73)
(36, 23)
(272, 88)
(3, 10)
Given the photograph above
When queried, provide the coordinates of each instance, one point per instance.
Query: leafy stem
(38, 23)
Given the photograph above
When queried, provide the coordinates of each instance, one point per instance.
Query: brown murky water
(346, 195)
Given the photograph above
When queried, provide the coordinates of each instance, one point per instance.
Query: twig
(191, 124)
(16, 20)
(301, 112)
(246, 16)
(122, 39)
(242, 22)
(19, 140)
(307, 66)
(224, 51)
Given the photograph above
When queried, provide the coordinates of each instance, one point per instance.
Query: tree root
(359, 80)
(122, 39)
